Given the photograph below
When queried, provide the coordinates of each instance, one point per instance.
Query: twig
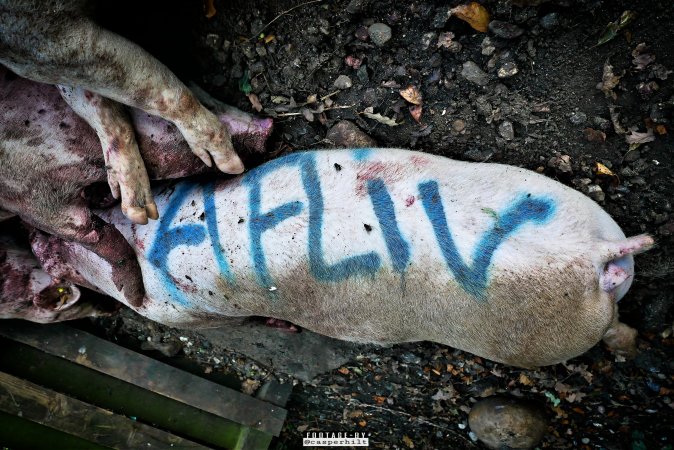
(281, 15)
(324, 109)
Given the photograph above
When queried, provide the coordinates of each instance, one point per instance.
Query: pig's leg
(621, 339)
(68, 49)
(127, 176)
(78, 224)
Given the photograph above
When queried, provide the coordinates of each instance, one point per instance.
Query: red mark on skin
(187, 288)
(88, 95)
(419, 161)
(409, 201)
(140, 245)
(387, 172)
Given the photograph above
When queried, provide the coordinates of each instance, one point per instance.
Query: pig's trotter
(127, 176)
(207, 137)
(621, 340)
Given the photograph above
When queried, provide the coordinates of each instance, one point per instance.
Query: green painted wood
(102, 427)
(21, 434)
(144, 372)
(93, 387)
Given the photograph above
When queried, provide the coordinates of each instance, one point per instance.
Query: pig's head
(28, 292)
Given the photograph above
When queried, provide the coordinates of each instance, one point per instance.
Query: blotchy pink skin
(49, 155)
(28, 292)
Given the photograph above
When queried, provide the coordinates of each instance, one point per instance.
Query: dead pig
(382, 246)
(50, 159)
(98, 71)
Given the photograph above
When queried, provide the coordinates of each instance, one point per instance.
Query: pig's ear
(634, 245)
(57, 297)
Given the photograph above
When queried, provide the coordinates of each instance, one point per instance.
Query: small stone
(459, 125)
(380, 33)
(487, 46)
(345, 134)
(355, 6)
(362, 34)
(578, 118)
(506, 130)
(343, 82)
(561, 163)
(427, 39)
(660, 113)
(601, 123)
(585, 441)
(632, 156)
(505, 30)
(595, 193)
(362, 74)
(213, 41)
(507, 70)
(410, 358)
(550, 21)
(508, 422)
(474, 74)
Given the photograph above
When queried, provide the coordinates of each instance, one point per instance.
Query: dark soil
(418, 395)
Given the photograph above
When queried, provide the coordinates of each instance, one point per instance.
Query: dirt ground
(529, 97)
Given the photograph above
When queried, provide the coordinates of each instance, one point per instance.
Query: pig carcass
(51, 162)
(97, 72)
(381, 246)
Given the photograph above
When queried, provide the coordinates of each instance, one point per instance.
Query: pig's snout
(618, 272)
(57, 297)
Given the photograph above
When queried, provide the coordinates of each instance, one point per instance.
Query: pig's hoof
(208, 138)
(128, 179)
(621, 340)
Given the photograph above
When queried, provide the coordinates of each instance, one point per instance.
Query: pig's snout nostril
(57, 297)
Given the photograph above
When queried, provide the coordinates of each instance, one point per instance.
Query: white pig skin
(383, 246)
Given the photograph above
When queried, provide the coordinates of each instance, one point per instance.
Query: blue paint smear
(360, 265)
(398, 248)
(361, 154)
(262, 221)
(473, 279)
(212, 223)
(167, 238)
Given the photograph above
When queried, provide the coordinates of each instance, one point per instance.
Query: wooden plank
(49, 408)
(137, 369)
(60, 375)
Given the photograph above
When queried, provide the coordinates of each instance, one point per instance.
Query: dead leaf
(268, 38)
(609, 81)
(575, 397)
(378, 399)
(602, 170)
(562, 388)
(249, 387)
(210, 9)
(312, 99)
(308, 114)
(525, 380)
(444, 394)
(381, 119)
(302, 428)
(416, 111)
(637, 137)
(641, 59)
(613, 28)
(408, 442)
(411, 94)
(474, 14)
(255, 102)
(362, 423)
(593, 135)
(343, 370)
(661, 129)
(278, 99)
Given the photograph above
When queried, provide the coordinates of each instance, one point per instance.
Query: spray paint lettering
(471, 276)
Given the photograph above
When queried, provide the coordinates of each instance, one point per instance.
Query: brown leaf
(343, 370)
(661, 129)
(593, 135)
(210, 9)
(525, 380)
(408, 442)
(249, 387)
(362, 423)
(609, 81)
(637, 137)
(411, 94)
(475, 14)
(602, 170)
(378, 399)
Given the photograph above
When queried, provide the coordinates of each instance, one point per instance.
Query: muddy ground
(549, 116)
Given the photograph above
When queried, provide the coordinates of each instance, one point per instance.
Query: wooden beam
(97, 425)
(131, 367)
